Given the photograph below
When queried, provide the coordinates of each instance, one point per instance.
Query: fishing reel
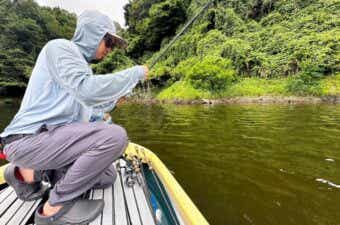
(133, 172)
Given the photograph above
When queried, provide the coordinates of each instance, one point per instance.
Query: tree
(26, 27)
(149, 22)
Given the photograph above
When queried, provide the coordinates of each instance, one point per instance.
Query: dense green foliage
(25, 28)
(266, 39)
(211, 73)
(254, 87)
(151, 21)
(290, 47)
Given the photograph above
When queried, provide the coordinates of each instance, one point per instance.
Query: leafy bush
(306, 83)
(331, 85)
(297, 86)
(228, 21)
(211, 44)
(183, 90)
(271, 19)
(251, 87)
(239, 52)
(184, 48)
(212, 73)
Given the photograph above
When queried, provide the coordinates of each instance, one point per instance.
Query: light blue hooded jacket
(62, 88)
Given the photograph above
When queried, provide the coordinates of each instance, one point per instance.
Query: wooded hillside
(25, 28)
(236, 48)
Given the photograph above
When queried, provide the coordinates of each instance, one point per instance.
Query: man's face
(102, 50)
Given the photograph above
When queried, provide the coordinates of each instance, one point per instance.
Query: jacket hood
(91, 28)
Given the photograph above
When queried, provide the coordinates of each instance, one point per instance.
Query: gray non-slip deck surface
(13, 211)
(123, 205)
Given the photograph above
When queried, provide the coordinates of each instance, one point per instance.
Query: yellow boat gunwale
(187, 209)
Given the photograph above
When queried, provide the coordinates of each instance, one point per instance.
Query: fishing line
(148, 83)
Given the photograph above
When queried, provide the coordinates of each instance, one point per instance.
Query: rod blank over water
(184, 29)
(155, 61)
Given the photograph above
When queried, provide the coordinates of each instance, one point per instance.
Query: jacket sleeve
(107, 107)
(72, 72)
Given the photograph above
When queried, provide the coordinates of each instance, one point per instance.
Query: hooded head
(91, 28)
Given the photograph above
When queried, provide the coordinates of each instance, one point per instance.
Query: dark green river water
(244, 164)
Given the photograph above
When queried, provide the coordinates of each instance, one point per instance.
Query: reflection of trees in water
(273, 135)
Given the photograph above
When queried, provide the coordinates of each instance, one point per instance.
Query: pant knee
(107, 179)
(117, 136)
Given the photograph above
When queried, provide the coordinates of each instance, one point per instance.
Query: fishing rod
(184, 29)
(170, 44)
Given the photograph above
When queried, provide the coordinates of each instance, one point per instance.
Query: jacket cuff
(140, 73)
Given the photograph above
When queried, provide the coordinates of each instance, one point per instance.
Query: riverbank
(252, 91)
(242, 100)
(294, 100)
(256, 87)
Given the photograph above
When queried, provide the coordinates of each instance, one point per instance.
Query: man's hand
(107, 118)
(120, 101)
(146, 72)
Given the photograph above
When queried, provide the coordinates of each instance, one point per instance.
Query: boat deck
(123, 204)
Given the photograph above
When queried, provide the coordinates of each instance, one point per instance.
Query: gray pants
(81, 153)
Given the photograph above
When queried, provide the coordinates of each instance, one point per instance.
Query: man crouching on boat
(47, 134)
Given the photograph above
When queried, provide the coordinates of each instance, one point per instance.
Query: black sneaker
(24, 191)
(76, 212)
